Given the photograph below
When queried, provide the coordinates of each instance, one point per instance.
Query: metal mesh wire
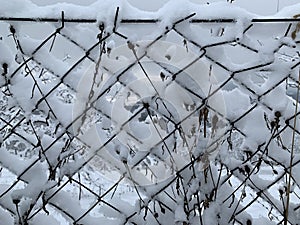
(45, 121)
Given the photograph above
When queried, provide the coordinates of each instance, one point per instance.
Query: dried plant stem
(291, 158)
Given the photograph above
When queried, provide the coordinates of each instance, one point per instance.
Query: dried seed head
(16, 201)
(277, 114)
(5, 67)
(12, 29)
(247, 169)
(130, 45)
(101, 26)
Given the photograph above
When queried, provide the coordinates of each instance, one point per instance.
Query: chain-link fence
(191, 120)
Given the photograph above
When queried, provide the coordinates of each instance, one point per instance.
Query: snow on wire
(188, 115)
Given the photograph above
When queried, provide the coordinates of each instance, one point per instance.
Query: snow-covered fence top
(111, 115)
